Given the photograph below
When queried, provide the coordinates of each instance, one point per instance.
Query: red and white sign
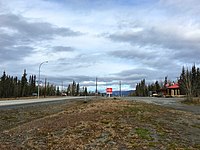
(109, 90)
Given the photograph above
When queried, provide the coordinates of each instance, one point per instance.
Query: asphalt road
(29, 102)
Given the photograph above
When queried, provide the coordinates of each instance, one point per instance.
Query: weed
(143, 133)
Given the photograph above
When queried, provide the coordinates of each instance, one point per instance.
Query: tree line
(13, 87)
(144, 90)
(75, 90)
(189, 83)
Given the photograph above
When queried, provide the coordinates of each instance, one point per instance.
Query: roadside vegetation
(99, 124)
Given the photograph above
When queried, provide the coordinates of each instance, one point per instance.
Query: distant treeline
(75, 90)
(143, 90)
(14, 87)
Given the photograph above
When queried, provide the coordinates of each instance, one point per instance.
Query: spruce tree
(73, 88)
(24, 84)
(15, 82)
(3, 84)
(86, 92)
(198, 82)
(194, 81)
(77, 89)
(182, 81)
(157, 86)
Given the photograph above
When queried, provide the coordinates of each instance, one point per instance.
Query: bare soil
(99, 124)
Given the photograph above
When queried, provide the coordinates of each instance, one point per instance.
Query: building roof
(175, 86)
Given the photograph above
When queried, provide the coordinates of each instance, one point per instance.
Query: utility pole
(45, 87)
(62, 86)
(120, 88)
(96, 92)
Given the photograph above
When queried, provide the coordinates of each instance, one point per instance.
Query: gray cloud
(15, 53)
(168, 44)
(155, 37)
(33, 30)
(69, 79)
(132, 54)
(82, 60)
(156, 44)
(62, 49)
(135, 75)
(146, 58)
(17, 34)
(7, 40)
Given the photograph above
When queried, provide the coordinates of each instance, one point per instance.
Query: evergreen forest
(189, 83)
(13, 87)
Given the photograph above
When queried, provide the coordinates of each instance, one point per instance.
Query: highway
(23, 102)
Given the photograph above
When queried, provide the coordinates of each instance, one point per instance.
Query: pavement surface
(29, 102)
(175, 103)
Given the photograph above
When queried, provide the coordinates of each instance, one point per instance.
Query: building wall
(173, 92)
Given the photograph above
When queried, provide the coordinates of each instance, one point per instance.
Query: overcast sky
(114, 40)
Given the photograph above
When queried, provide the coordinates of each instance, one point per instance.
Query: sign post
(109, 91)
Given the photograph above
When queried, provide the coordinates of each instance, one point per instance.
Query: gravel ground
(99, 124)
(175, 103)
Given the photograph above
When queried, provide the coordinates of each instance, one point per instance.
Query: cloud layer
(121, 40)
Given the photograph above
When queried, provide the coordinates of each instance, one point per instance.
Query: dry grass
(106, 124)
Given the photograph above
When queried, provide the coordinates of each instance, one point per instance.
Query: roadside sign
(108, 90)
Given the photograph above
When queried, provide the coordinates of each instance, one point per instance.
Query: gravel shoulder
(175, 103)
(99, 124)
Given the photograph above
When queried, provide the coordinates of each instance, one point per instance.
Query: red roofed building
(173, 90)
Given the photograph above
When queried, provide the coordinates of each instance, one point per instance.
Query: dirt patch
(103, 124)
